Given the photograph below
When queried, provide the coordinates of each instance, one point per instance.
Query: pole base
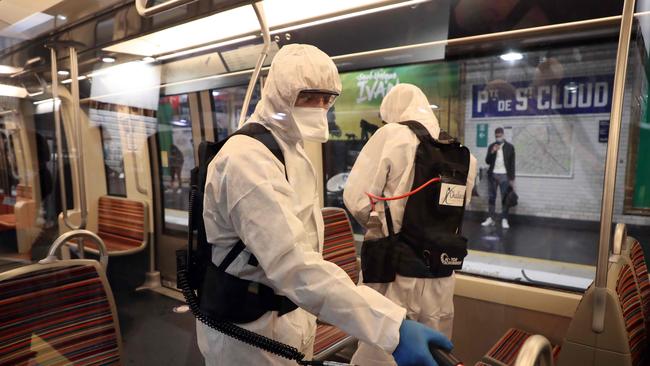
(152, 281)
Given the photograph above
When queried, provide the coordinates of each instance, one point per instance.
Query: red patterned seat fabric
(120, 224)
(337, 248)
(507, 348)
(327, 336)
(630, 300)
(642, 280)
(339, 241)
(57, 316)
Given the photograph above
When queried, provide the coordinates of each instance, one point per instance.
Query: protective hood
(406, 102)
(296, 67)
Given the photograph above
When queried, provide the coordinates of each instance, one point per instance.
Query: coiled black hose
(230, 329)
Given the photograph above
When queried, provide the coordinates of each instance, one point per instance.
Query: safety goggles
(316, 99)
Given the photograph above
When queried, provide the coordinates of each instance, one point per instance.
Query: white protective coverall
(385, 166)
(247, 196)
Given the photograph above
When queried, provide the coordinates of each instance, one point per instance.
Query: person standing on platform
(501, 174)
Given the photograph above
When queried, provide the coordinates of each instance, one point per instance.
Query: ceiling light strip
(204, 48)
(46, 101)
(212, 77)
(68, 81)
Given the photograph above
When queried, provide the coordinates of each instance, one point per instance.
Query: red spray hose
(374, 198)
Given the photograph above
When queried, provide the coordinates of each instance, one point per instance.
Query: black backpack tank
(429, 244)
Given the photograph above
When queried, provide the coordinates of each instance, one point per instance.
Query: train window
(553, 107)
(227, 105)
(113, 160)
(176, 148)
(637, 192)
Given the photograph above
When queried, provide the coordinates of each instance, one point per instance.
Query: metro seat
(624, 338)
(122, 224)
(58, 313)
(338, 247)
(20, 216)
(506, 349)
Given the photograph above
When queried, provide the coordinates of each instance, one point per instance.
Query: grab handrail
(74, 74)
(134, 157)
(74, 234)
(536, 350)
(266, 37)
(607, 208)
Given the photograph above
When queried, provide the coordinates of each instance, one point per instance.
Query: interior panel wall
(479, 324)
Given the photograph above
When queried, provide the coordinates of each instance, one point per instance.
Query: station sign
(577, 95)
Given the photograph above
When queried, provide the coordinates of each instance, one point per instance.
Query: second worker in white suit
(393, 162)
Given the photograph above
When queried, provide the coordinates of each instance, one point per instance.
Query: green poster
(482, 135)
(642, 182)
(165, 140)
(356, 114)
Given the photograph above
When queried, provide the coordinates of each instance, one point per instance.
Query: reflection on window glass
(176, 158)
(640, 182)
(355, 116)
(117, 121)
(8, 166)
(537, 123)
(227, 105)
(113, 161)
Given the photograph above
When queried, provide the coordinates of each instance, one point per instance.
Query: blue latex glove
(413, 347)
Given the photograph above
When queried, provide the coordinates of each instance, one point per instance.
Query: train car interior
(104, 103)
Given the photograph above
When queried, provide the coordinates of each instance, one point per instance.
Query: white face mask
(312, 123)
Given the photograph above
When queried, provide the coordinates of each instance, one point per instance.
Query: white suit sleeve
(258, 206)
(390, 150)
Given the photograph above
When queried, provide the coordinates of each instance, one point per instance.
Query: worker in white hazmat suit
(273, 208)
(385, 167)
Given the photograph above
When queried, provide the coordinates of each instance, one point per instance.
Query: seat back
(58, 313)
(122, 224)
(338, 246)
(643, 281)
(635, 322)
(23, 192)
(623, 341)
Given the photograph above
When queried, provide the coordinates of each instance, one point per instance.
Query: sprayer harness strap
(243, 300)
(261, 134)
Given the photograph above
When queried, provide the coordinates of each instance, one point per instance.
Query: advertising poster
(356, 111)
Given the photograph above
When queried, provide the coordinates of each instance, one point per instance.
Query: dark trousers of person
(501, 181)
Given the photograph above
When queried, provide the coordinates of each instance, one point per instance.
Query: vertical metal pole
(609, 183)
(266, 36)
(74, 86)
(59, 137)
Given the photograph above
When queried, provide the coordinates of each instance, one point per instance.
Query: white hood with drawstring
(248, 196)
(385, 166)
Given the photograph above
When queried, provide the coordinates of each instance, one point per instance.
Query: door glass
(227, 105)
(176, 158)
(113, 162)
